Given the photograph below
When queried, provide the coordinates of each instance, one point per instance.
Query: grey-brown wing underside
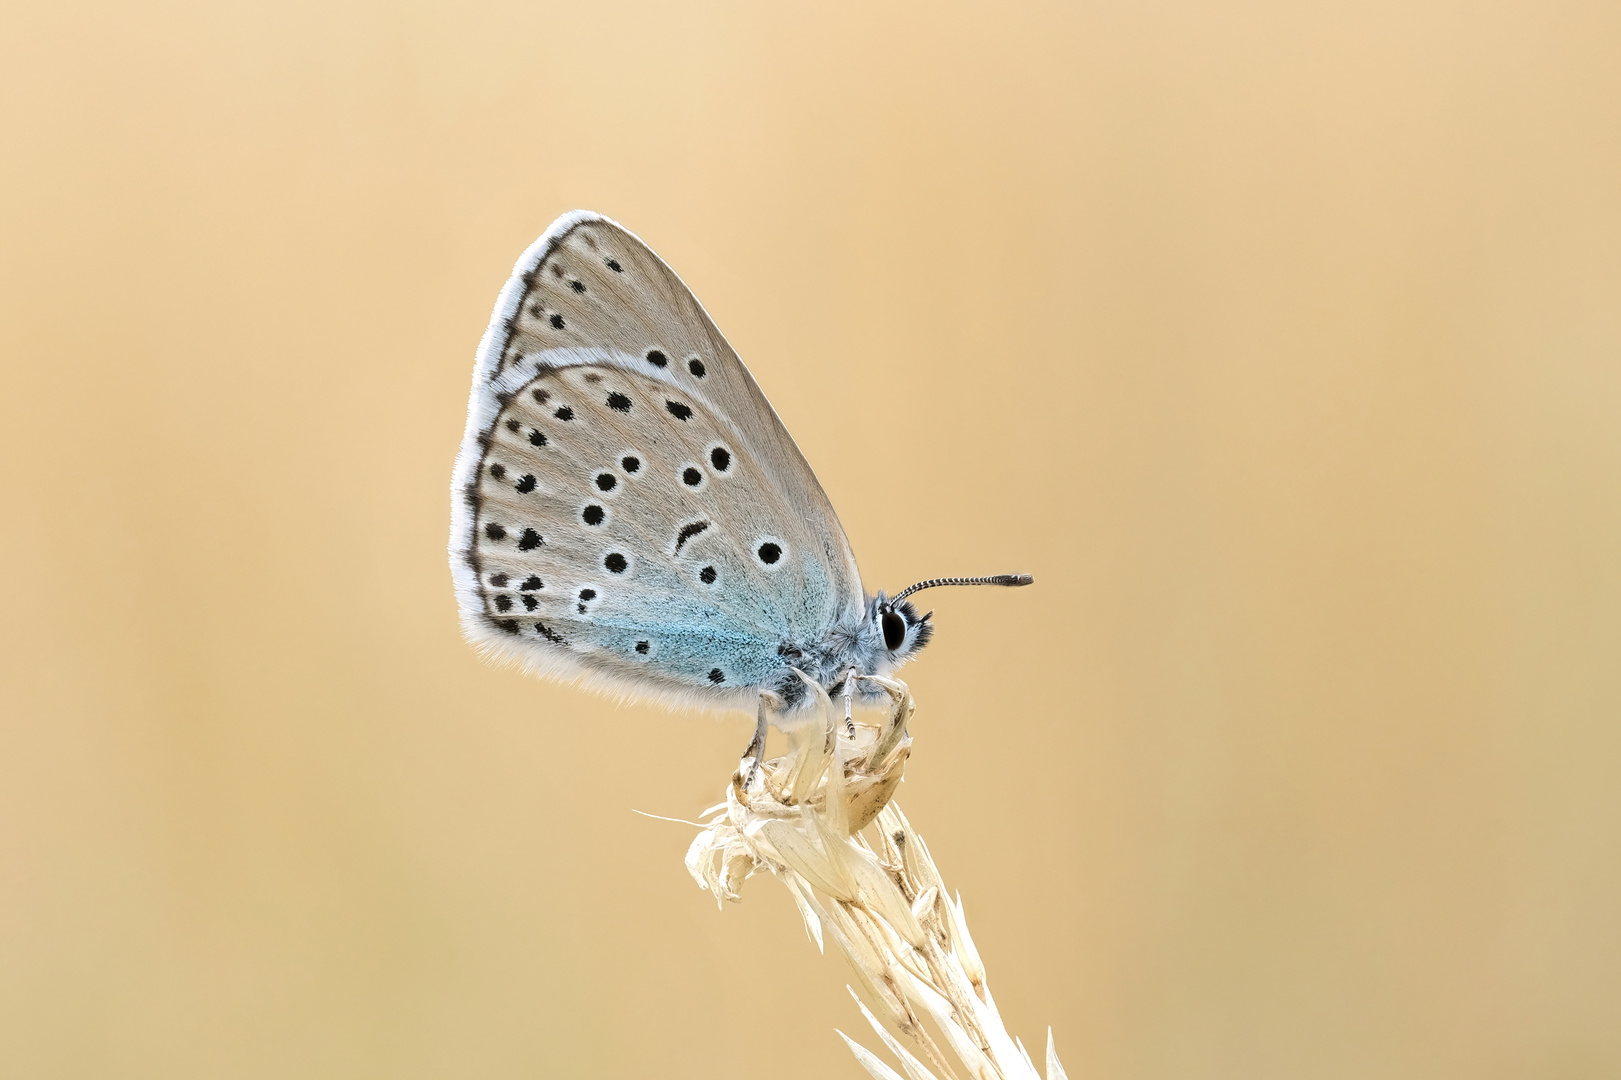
(589, 301)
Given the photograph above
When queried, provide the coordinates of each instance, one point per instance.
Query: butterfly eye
(894, 630)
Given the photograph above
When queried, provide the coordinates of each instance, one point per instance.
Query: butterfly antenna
(995, 579)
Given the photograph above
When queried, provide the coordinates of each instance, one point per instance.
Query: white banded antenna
(995, 579)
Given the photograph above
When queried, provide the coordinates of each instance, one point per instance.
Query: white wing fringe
(875, 892)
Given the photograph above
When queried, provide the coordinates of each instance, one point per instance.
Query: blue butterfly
(629, 513)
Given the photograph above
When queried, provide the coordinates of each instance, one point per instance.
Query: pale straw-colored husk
(804, 817)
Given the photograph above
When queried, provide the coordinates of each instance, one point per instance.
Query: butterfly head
(898, 625)
(902, 630)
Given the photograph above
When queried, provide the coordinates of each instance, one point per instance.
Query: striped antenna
(995, 579)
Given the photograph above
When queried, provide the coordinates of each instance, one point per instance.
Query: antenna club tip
(1016, 579)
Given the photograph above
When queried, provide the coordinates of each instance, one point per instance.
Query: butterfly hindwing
(630, 510)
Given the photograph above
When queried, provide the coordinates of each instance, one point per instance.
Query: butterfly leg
(849, 701)
(754, 753)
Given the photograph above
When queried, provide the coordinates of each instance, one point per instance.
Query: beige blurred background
(1282, 343)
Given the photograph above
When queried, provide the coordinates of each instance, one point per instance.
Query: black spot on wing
(656, 358)
(688, 532)
(557, 322)
(619, 402)
(525, 485)
(707, 575)
(498, 471)
(720, 458)
(696, 366)
(678, 410)
(495, 532)
(717, 676)
(529, 541)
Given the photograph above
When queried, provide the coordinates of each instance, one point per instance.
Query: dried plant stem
(804, 818)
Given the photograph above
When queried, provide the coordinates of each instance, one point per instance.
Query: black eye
(894, 630)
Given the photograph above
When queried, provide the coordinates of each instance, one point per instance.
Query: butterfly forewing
(630, 506)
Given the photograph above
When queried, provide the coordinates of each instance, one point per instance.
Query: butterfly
(628, 512)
